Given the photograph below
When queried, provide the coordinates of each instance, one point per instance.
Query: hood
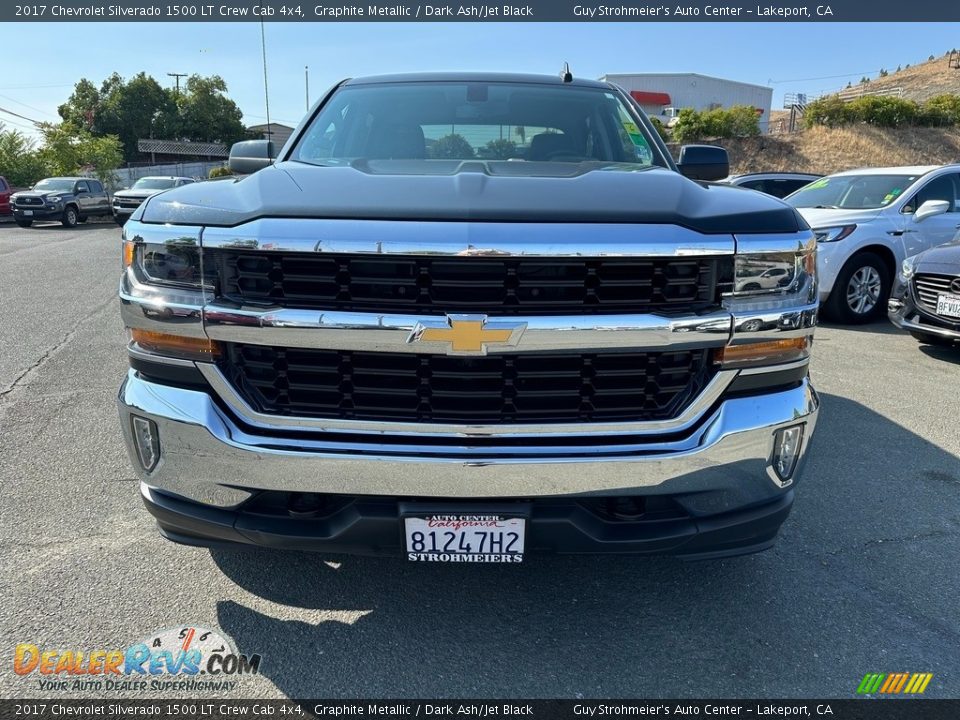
(136, 194)
(474, 190)
(943, 259)
(40, 193)
(828, 217)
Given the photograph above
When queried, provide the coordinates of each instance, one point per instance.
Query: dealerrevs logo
(182, 658)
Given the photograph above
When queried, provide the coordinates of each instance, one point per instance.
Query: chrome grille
(928, 287)
(29, 201)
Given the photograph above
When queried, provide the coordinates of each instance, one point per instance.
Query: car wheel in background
(23, 223)
(861, 290)
(932, 339)
(81, 219)
(119, 220)
(70, 217)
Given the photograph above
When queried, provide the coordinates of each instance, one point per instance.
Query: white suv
(867, 222)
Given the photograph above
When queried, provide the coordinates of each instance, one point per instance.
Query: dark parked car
(926, 299)
(126, 201)
(778, 184)
(5, 192)
(70, 200)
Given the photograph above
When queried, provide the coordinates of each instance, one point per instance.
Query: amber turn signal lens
(762, 353)
(164, 344)
(128, 248)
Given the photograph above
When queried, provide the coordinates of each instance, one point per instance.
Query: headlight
(54, 199)
(167, 258)
(832, 234)
(907, 268)
(783, 273)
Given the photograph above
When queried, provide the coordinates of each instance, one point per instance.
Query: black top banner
(530, 11)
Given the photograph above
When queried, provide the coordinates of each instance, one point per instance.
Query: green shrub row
(939, 111)
(696, 125)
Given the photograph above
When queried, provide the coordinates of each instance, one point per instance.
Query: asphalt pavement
(863, 579)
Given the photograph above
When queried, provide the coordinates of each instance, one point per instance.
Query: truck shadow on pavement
(863, 576)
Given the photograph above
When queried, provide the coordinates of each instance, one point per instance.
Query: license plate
(28, 212)
(948, 305)
(464, 538)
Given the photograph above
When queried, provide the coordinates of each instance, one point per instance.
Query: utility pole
(266, 92)
(306, 84)
(177, 76)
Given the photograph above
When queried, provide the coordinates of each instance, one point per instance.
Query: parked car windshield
(852, 192)
(428, 122)
(153, 184)
(55, 184)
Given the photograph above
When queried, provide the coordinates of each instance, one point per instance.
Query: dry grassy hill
(824, 150)
(920, 82)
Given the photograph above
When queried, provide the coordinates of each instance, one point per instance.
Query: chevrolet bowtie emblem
(468, 334)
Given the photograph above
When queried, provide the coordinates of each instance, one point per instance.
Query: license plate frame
(28, 213)
(946, 301)
(468, 533)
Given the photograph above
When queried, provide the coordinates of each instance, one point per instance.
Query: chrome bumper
(904, 314)
(207, 457)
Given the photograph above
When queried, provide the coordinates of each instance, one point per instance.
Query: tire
(70, 217)
(932, 339)
(81, 219)
(23, 223)
(119, 220)
(861, 290)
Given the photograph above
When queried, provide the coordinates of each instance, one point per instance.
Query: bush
(941, 110)
(222, 171)
(891, 112)
(738, 121)
(661, 130)
(502, 149)
(830, 111)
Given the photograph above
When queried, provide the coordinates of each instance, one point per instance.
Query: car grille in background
(490, 285)
(929, 287)
(508, 388)
(127, 203)
(29, 201)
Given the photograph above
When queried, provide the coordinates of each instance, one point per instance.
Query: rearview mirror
(251, 155)
(931, 208)
(704, 162)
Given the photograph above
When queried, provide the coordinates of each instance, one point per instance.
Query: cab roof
(476, 77)
(901, 170)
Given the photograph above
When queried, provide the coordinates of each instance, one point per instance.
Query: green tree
(453, 146)
(830, 111)
(68, 150)
(501, 149)
(20, 162)
(205, 113)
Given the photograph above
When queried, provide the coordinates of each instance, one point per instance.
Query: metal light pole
(306, 84)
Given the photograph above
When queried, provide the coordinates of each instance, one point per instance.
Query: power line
(34, 87)
(22, 117)
(31, 107)
(824, 77)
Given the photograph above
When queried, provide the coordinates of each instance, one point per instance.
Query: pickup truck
(69, 200)
(468, 318)
(5, 192)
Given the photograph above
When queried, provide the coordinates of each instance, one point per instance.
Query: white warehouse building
(662, 95)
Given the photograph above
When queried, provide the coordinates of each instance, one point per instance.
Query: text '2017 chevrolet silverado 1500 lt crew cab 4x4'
(468, 318)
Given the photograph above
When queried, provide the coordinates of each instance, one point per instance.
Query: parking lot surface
(864, 577)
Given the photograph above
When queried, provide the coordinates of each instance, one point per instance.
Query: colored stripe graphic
(894, 683)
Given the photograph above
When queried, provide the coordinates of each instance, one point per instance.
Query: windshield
(852, 192)
(55, 184)
(153, 184)
(444, 121)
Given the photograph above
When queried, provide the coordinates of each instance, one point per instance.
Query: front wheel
(70, 217)
(932, 339)
(23, 223)
(861, 290)
(121, 221)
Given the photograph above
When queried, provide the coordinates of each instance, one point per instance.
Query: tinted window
(82, 187)
(153, 183)
(473, 121)
(941, 188)
(95, 186)
(54, 184)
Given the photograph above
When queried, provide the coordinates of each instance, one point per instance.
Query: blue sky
(44, 60)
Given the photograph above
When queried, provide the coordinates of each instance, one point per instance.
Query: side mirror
(931, 208)
(704, 162)
(251, 155)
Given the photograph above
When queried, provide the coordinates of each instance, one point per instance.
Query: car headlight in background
(832, 234)
(907, 268)
(54, 199)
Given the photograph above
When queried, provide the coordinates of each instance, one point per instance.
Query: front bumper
(213, 467)
(907, 314)
(38, 212)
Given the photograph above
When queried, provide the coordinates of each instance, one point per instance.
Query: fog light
(147, 440)
(786, 450)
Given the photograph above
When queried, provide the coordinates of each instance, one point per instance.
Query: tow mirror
(931, 208)
(251, 155)
(704, 162)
